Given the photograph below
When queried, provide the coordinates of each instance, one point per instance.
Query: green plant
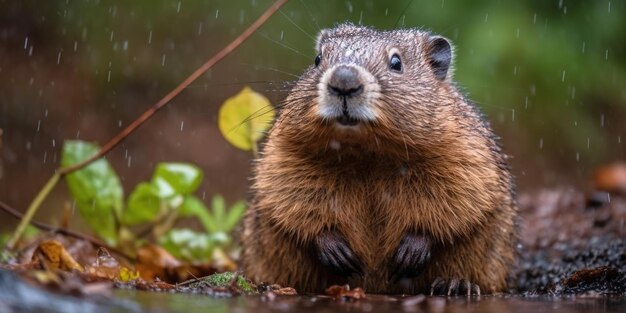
(156, 204)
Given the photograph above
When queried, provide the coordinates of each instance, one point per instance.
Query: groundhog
(379, 173)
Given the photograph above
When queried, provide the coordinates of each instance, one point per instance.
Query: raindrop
(38, 125)
(486, 17)
(515, 70)
(577, 156)
(28, 145)
(526, 103)
(75, 46)
(588, 142)
(200, 28)
(606, 55)
(30, 51)
(163, 60)
(77, 134)
(53, 143)
(282, 35)
(182, 124)
(25, 43)
(563, 76)
(573, 93)
(535, 18)
(602, 120)
(150, 37)
(609, 10)
(59, 57)
(125, 45)
(583, 49)
(109, 77)
(119, 123)
(45, 156)
(111, 36)
(45, 113)
(512, 115)
(129, 160)
(349, 5)
(619, 140)
(178, 7)
(203, 195)
(217, 13)
(386, 12)
(517, 32)
(442, 1)
(540, 143)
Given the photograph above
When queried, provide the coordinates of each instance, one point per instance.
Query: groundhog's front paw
(334, 253)
(410, 257)
(453, 287)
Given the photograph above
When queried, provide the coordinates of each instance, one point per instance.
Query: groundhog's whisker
(284, 45)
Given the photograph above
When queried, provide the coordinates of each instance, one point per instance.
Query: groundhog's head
(367, 86)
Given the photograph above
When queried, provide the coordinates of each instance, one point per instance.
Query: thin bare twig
(197, 73)
(141, 119)
(63, 231)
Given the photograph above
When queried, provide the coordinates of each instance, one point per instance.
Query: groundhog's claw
(453, 287)
(410, 257)
(334, 253)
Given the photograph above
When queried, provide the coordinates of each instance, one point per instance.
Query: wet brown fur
(430, 163)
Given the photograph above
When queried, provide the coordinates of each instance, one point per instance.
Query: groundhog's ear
(320, 37)
(440, 56)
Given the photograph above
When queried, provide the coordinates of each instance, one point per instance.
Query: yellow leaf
(244, 118)
(127, 275)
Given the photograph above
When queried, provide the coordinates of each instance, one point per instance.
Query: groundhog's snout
(345, 82)
(347, 93)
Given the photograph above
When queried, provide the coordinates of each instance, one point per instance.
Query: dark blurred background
(550, 75)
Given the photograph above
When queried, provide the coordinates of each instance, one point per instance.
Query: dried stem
(141, 119)
(60, 230)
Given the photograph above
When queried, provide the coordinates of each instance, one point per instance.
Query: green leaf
(188, 245)
(244, 118)
(235, 213)
(144, 205)
(192, 206)
(217, 209)
(96, 189)
(182, 178)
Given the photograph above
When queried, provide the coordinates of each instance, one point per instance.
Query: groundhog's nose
(345, 82)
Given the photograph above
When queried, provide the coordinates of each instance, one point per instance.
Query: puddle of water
(160, 302)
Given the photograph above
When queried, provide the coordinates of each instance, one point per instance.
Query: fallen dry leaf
(152, 262)
(106, 266)
(51, 255)
(345, 293)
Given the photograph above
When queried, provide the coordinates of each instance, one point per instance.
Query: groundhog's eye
(318, 59)
(395, 64)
